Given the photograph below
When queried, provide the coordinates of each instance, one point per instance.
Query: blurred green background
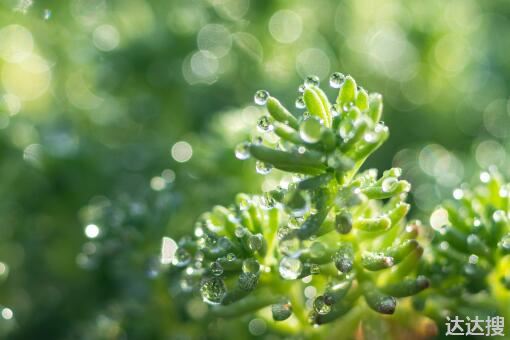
(119, 118)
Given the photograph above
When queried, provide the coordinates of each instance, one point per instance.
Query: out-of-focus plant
(328, 228)
(468, 262)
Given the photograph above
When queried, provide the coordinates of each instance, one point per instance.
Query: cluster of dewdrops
(265, 123)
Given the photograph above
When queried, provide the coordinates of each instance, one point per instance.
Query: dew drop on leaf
(263, 168)
(336, 80)
(261, 97)
(242, 151)
(311, 81)
(281, 311)
(290, 268)
(213, 290)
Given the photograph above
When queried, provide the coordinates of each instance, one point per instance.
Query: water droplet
(301, 88)
(310, 130)
(265, 124)
(388, 184)
(255, 242)
(216, 268)
(281, 311)
(311, 81)
(240, 231)
(251, 266)
(346, 129)
(248, 280)
(315, 269)
(300, 103)
(336, 80)
(261, 97)
(263, 168)
(343, 222)
(243, 150)
(231, 257)
(182, 258)
(320, 305)
(213, 290)
(283, 232)
(290, 268)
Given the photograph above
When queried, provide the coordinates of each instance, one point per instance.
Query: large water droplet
(213, 290)
(301, 88)
(346, 129)
(281, 311)
(336, 80)
(261, 97)
(255, 242)
(320, 305)
(263, 168)
(290, 268)
(265, 124)
(216, 268)
(243, 151)
(388, 184)
(311, 81)
(248, 280)
(310, 130)
(499, 216)
(251, 266)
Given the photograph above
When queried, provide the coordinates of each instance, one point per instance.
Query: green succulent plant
(331, 242)
(468, 261)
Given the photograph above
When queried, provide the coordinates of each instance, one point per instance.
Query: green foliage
(469, 259)
(328, 226)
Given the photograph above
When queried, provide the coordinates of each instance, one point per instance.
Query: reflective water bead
(388, 184)
(248, 280)
(300, 102)
(265, 124)
(255, 242)
(301, 88)
(242, 150)
(263, 168)
(251, 266)
(281, 311)
(346, 129)
(231, 257)
(261, 97)
(320, 305)
(290, 268)
(168, 250)
(182, 258)
(311, 81)
(310, 130)
(336, 80)
(216, 268)
(213, 290)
